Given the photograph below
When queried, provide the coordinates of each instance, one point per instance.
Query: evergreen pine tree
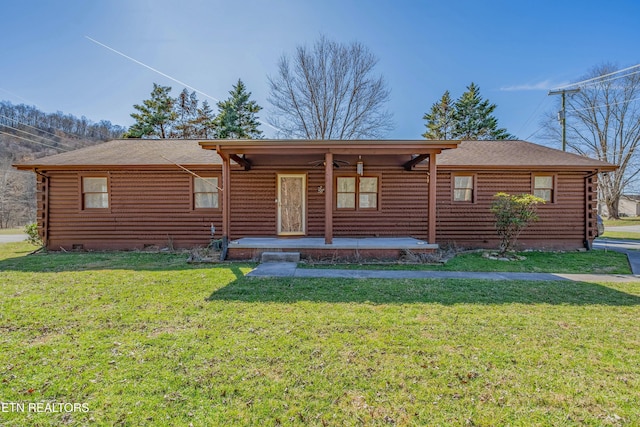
(186, 111)
(440, 120)
(155, 116)
(204, 123)
(473, 119)
(237, 117)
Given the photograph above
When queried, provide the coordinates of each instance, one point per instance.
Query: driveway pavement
(627, 228)
(619, 245)
(9, 238)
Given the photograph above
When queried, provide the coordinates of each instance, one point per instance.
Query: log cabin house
(320, 198)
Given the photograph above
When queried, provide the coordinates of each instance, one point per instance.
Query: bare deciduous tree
(329, 91)
(17, 196)
(603, 122)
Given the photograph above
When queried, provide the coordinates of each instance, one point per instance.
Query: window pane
(96, 200)
(346, 185)
(94, 185)
(543, 194)
(462, 194)
(368, 200)
(346, 200)
(206, 200)
(369, 185)
(543, 182)
(205, 185)
(463, 182)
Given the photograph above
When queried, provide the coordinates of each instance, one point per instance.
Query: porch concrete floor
(338, 243)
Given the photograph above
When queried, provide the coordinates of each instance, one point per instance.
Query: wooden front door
(292, 211)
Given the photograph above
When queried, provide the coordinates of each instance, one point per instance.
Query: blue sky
(514, 50)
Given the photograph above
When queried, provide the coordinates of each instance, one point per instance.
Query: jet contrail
(152, 69)
(17, 96)
(166, 75)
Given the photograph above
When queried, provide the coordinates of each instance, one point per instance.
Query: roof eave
(113, 167)
(598, 168)
(326, 146)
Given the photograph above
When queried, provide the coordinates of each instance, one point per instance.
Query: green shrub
(34, 237)
(513, 213)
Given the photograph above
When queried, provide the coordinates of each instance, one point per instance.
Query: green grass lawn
(599, 262)
(146, 340)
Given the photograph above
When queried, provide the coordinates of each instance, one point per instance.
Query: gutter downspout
(588, 208)
(44, 218)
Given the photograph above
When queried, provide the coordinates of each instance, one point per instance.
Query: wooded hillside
(27, 133)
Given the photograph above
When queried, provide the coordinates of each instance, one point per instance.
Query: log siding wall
(154, 208)
(147, 208)
(403, 204)
(561, 224)
(402, 211)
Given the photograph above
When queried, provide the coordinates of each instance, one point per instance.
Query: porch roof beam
(238, 147)
(411, 163)
(323, 150)
(242, 161)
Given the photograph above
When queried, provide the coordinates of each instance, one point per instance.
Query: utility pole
(562, 114)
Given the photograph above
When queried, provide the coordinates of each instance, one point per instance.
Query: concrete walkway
(290, 269)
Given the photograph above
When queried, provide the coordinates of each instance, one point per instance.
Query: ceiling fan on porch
(336, 163)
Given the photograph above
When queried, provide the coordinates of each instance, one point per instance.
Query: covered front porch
(314, 197)
(343, 248)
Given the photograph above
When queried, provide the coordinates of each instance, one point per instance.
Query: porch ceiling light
(360, 166)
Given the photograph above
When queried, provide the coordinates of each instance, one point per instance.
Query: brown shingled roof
(161, 152)
(132, 152)
(514, 154)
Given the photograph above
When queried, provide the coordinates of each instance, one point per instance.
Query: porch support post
(226, 194)
(328, 198)
(431, 220)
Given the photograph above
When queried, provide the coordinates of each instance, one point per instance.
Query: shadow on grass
(438, 291)
(19, 260)
(375, 291)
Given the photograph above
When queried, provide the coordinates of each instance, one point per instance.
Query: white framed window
(544, 187)
(357, 192)
(95, 192)
(368, 192)
(205, 193)
(346, 192)
(464, 188)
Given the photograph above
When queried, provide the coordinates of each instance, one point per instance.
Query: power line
(102, 134)
(36, 136)
(33, 142)
(598, 77)
(605, 105)
(24, 124)
(534, 133)
(532, 115)
(611, 79)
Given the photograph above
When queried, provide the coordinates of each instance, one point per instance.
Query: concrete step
(280, 257)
